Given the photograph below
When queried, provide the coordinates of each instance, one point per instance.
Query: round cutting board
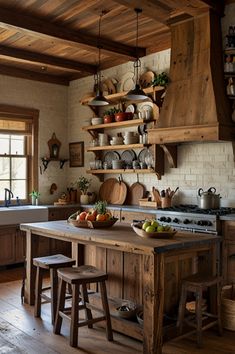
(135, 192)
(106, 189)
(119, 193)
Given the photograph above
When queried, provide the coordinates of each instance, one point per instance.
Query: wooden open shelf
(120, 171)
(116, 97)
(116, 147)
(125, 123)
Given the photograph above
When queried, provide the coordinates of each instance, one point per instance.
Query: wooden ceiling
(56, 40)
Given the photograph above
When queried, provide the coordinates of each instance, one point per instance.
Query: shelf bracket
(171, 154)
(45, 163)
(62, 162)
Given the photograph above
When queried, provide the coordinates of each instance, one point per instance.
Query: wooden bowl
(126, 311)
(137, 227)
(87, 224)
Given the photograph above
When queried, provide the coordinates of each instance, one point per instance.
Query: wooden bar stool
(51, 263)
(197, 284)
(77, 276)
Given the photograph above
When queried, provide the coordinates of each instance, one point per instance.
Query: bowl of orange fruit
(97, 217)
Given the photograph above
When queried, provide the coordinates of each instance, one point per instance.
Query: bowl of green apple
(153, 229)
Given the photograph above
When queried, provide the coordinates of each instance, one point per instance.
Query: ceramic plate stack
(110, 156)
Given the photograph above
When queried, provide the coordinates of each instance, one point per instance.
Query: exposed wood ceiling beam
(47, 59)
(45, 28)
(162, 11)
(30, 75)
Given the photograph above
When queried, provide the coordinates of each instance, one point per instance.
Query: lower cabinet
(130, 216)
(228, 258)
(7, 244)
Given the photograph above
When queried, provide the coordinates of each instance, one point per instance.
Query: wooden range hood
(195, 107)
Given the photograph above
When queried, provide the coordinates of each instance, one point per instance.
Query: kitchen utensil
(208, 199)
(126, 82)
(130, 108)
(146, 110)
(143, 154)
(118, 193)
(128, 156)
(106, 189)
(135, 192)
(155, 194)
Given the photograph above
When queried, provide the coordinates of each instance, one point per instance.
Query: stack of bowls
(131, 138)
(97, 120)
(116, 140)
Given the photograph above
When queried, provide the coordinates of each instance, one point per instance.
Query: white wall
(199, 165)
(51, 100)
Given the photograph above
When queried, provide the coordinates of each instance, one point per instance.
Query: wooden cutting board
(106, 189)
(135, 192)
(119, 193)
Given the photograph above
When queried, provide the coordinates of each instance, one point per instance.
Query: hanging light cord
(137, 62)
(99, 46)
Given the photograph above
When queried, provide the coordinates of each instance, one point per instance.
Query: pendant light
(137, 93)
(99, 100)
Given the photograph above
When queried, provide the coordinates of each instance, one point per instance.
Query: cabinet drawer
(129, 216)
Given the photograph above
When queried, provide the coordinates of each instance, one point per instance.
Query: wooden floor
(21, 333)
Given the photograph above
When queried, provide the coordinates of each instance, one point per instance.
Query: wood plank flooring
(21, 333)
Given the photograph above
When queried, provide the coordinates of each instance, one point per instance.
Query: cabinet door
(129, 216)
(230, 262)
(61, 213)
(228, 230)
(20, 245)
(7, 245)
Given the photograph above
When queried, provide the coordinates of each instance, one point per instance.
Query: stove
(191, 218)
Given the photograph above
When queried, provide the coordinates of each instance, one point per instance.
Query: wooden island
(147, 271)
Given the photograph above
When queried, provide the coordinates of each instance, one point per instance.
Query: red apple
(82, 216)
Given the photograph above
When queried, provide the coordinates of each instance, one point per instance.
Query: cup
(166, 202)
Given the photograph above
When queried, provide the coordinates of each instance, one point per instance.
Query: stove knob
(186, 221)
(168, 219)
(200, 223)
(176, 220)
(207, 223)
(162, 218)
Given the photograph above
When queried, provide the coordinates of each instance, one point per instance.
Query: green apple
(150, 229)
(160, 228)
(146, 224)
(154, 223)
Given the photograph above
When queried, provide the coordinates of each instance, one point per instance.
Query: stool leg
(74, 316)
(86, 300)
(60, 306)
(104, 298)
(54, 292)
(181, 311)
(220, 328)
(38, 290)
(199, 317)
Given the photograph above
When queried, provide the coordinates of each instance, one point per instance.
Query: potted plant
(34, 196)
(83, 184)
(160, 79)
(109, 115)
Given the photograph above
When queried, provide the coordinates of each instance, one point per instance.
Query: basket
(228, 307)
(87, 224)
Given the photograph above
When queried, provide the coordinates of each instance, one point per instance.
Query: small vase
(33, 200)
(84, 199)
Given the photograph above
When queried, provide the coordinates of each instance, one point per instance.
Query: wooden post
(153, 282)
(29, 295)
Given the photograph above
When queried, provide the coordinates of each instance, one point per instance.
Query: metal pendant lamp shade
(99, 99)
(137, 93)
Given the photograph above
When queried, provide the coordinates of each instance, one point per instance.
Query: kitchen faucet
(8, 196)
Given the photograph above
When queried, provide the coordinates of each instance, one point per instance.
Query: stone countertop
(229, 217)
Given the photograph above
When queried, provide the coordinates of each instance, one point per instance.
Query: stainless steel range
(191, 218)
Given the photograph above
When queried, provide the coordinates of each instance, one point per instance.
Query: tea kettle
(208, 199)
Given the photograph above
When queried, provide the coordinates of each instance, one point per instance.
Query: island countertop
(120, 236)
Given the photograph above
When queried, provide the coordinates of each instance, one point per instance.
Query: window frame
(31, 116)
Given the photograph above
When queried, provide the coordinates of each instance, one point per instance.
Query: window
(18, 151)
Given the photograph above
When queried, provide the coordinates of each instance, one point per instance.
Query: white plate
(146, 109)
(127, 82)
(130, 108)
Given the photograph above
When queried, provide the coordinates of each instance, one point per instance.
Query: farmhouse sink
(23, 213)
